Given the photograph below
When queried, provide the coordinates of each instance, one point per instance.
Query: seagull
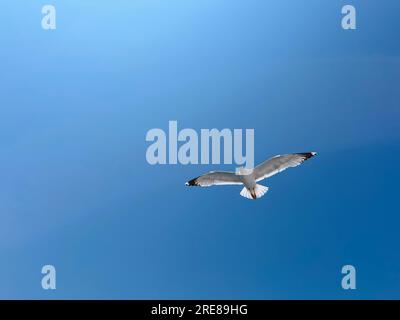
(250, 177)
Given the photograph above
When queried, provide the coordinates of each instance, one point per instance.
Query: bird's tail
(255, 193)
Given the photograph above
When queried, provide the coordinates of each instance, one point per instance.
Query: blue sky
(76, 190)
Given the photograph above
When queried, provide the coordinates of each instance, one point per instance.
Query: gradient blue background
(76, 190)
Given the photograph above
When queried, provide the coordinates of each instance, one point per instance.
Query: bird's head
(242, 171)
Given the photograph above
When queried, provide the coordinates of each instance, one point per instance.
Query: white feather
(259, 191)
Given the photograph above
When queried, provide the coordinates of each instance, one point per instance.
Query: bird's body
(251, 188)
(249, 181)
(250, 177)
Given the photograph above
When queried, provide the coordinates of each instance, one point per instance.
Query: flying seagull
(250, 177)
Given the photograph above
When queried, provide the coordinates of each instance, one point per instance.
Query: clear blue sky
(76, 190)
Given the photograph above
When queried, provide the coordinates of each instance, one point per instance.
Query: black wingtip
(192, 183)
(308, 155)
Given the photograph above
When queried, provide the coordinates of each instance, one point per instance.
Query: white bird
(250, 177)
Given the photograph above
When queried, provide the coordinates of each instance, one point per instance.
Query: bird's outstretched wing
(279, 163)
(215, 178)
